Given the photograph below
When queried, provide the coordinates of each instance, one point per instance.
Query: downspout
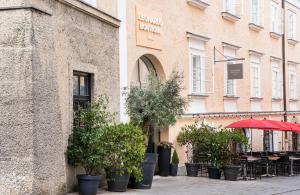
(284, 73)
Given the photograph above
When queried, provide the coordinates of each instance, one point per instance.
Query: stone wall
(41, 44)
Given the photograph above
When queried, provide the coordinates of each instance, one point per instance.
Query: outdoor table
(270, 158)
(292, 164)
(250, 159)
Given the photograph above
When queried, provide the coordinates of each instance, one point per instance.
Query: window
(276, 88)
(275, 17)
(229, 85)
(198, 73)
(197, 67)
(291, 25)
(81, 90)
(292, 82)
(91, 2)
(256, 11)
(234, 7)
(268, 141)
(255, 79)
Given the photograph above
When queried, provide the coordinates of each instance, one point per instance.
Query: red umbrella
(253, 123)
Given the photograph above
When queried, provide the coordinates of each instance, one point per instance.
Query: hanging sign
(234, 71)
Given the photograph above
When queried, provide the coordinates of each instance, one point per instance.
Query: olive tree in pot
(83, 145)
(192, 136)
(174, 164)
(154, 105)
(123, 150)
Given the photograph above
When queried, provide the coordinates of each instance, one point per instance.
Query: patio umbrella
(253, 124)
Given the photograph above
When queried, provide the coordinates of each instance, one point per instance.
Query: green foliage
(210, 144)
(83, 148)
(175, 159)
(122, 148)
(157, 103)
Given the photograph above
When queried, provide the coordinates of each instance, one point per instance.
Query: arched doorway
(145, 65)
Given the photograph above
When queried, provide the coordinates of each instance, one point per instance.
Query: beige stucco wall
(108, 6)
(42, 43)
(178, 18)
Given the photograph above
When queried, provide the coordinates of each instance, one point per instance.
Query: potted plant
(155, 105)
(164, 157)
(83, 148)
(190, 136)
(123, 149)
(174, 164)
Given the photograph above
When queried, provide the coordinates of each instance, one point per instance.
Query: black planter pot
(164, 157)
(231, 172)
(117, 182)
(192, 169)
(173, 169)
(214, 173)
(148, 168)
(87, 184)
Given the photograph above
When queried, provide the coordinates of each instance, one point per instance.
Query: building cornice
(232, 46)
(196, 36)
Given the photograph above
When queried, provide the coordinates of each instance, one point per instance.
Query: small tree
(175, 159)
(157, 104)
(83, 148)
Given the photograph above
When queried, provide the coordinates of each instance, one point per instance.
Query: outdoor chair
(283, 166)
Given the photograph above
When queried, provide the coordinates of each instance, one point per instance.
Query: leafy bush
(175, 159)
(157, 103)
(122, 148)
(83, 148)
(210, 144)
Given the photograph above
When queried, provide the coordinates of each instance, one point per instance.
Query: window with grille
(198, 74)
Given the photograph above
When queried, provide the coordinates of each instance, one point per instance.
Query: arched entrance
(145, 65)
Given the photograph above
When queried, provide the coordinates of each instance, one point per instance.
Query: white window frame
(200, 78)
(255, 78)
(292, 83)
(292, 25)
(229, 54)
(276, 82)
(256, 17)
(229, 6)
(275, 17)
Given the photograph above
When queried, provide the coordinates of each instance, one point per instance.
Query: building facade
(54, 55)
(204, 39)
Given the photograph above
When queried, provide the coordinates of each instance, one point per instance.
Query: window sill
(293, 100)
(275, 35)
(256, 99)
(276, 99)
(230, 17)
(197, 95)
(255, 27)
(198, 4)
(230, 97)
(292, 41)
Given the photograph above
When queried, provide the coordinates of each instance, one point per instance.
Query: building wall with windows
(182, 34)
(43, 43)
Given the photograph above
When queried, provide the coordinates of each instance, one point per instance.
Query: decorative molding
(197, 95)
(196, 36)
(292, 41)
(198, 3)
(256, 53)
(275, 35)
(228, 97)
(255, 27)
(92, 11)
(229, 16)
(229, 45)
(293, 62)
(33, 8)
(258, 99)
(293, 100)
(273, 58)
(276, 99)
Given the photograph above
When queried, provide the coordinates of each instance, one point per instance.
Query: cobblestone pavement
(203, 186)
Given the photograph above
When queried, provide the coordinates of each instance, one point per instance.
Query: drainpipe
(284, 71)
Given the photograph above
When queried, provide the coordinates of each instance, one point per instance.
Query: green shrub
(175, 159)
(122, 148)
(83, 148)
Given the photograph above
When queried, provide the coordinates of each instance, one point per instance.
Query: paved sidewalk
(183, 185)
